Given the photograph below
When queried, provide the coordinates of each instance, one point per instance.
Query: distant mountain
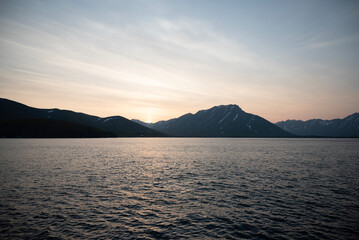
(346, 127)
(219, 121)
(120, 126)
(145, 124)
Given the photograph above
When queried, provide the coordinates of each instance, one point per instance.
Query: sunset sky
(156, 60)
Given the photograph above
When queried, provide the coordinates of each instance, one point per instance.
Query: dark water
(142, 188)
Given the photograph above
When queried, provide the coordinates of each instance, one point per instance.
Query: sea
(179, 188)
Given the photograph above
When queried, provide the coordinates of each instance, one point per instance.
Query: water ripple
(179, 189)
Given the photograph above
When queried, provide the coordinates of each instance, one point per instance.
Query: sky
(156, 60)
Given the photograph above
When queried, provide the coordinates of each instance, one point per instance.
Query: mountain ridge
(120, 126)
(338, 127)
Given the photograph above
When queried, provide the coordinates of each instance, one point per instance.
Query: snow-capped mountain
(219, 121)
(346, 127)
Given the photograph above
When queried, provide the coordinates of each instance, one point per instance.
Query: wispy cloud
(332, 42)
(159, 54)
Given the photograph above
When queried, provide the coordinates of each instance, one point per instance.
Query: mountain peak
(233, 106)
(224, 108)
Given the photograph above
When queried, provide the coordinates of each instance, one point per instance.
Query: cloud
(194, 36)
(332, 42)
(324, 39)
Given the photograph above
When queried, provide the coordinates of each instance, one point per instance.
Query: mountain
(346, 127)
(120, 126)
(219, 121)
(49, 128)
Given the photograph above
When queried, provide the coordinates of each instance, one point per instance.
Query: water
(168, 188)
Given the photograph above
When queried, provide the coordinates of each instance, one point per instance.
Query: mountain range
(346, 127)
(17, 119)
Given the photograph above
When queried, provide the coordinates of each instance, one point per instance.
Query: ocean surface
(179, 188)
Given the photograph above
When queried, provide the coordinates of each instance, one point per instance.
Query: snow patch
(210, 116)
(109, 118)
(50, 111)
(250, 127)
(326, 122)
(235, 117)
(224, 117)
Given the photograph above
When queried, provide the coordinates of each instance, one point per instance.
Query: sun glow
(149, 115)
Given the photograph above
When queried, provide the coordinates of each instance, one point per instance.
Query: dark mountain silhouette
(49, 128)
(119, 126)
(219, 121)
(346, 127)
